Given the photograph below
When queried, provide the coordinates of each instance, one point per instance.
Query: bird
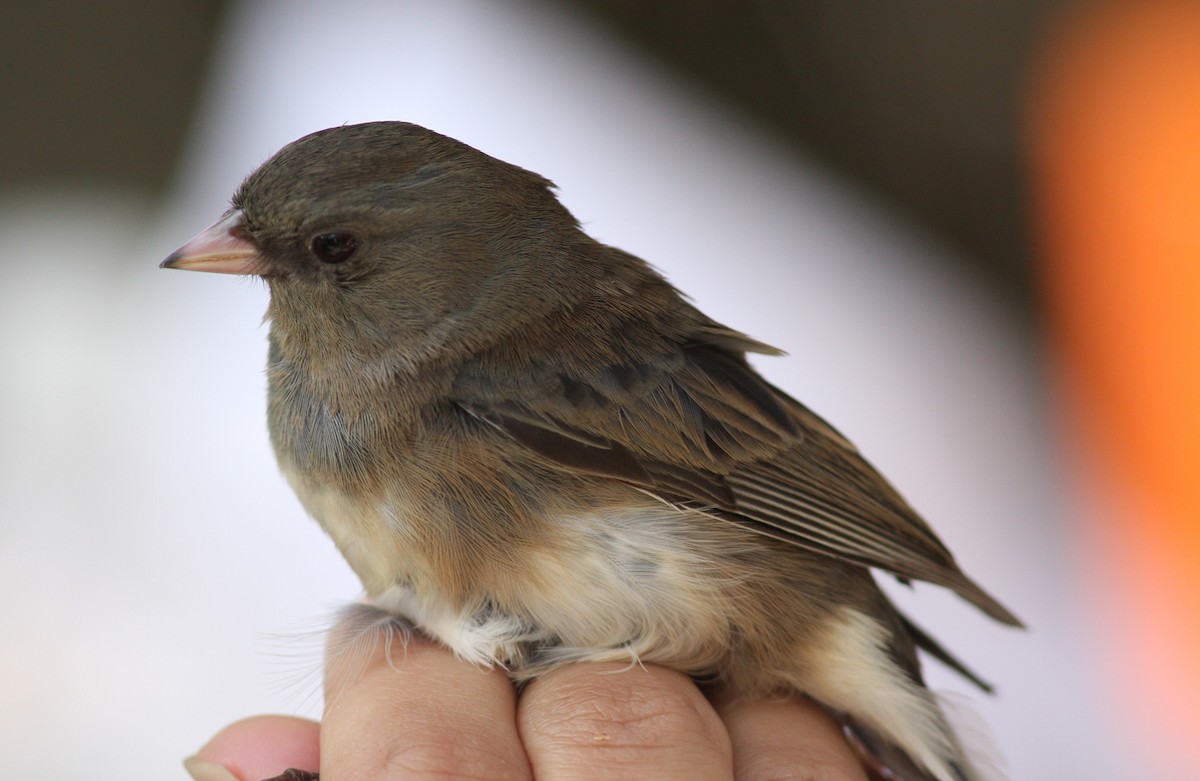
(531, 446)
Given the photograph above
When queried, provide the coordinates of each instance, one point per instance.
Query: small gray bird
(531, 446)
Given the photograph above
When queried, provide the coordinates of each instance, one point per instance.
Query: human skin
(423, 714)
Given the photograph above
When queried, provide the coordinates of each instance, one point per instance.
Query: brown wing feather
(700, 428)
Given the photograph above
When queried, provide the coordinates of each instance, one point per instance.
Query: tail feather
(935, 649)
(888, 762)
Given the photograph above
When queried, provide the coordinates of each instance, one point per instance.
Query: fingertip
(787, 738)
(397, 700)
(362, 638)
(612, 719)
(255, 748)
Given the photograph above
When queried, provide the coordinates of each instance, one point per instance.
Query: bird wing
(699, 428)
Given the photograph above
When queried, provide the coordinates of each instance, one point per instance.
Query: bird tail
(884, 761)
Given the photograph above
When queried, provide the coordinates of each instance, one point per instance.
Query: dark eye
(334, 247)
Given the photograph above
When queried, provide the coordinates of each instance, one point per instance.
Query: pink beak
(221, 248)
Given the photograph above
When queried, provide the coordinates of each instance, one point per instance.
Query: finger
(787, 739)
(256, 748)
(611, 722)
(410, 708)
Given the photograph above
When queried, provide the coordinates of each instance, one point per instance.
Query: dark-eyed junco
(531, 446)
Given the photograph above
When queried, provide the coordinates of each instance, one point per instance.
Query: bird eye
(334, 247)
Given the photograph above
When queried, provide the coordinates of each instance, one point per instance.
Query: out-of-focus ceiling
(919, 102)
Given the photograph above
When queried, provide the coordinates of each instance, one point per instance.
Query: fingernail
(203, 770)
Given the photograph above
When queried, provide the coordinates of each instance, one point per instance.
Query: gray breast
(312, 433)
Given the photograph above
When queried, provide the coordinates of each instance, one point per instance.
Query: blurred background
(973, 226)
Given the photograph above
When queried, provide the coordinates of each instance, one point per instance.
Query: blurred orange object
(1116, 162)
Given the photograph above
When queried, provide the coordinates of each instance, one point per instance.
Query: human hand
(418, 712)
